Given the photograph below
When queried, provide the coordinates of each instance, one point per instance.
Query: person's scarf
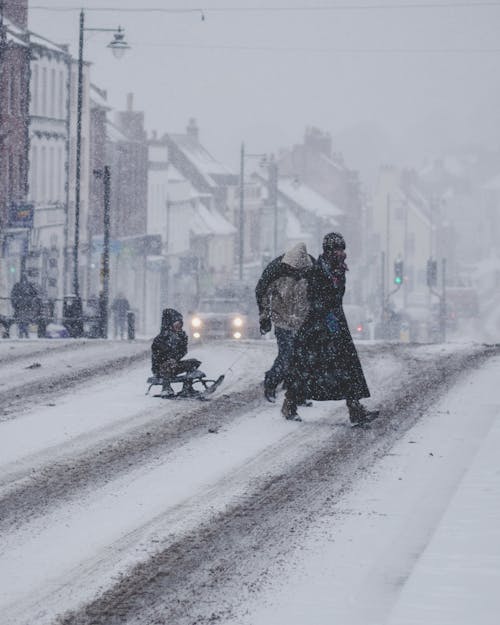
(335, 267)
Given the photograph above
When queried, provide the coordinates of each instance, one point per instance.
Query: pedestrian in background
(26, 305)
(119, 308)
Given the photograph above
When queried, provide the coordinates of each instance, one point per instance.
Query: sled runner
(188, 381)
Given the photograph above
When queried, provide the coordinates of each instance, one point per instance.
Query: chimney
(192, 129)
(130, 102)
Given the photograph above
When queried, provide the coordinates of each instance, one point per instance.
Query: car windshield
(218, 306)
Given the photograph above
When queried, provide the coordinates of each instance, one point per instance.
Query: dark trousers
(181, 366)
(278, 371)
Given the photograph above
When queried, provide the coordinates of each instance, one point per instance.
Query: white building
(48, 158)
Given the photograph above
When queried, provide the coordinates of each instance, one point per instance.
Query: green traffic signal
(398, 272)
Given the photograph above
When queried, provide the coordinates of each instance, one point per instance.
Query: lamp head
(118, 46)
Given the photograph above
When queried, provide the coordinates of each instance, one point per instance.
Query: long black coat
(325, 364)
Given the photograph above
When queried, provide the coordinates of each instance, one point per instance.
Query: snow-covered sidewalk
(417, 542)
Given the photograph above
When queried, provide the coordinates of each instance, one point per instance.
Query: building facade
(48, 162)
(15, 215)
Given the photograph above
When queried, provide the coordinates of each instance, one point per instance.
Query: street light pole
(118, 46)
(79, 106)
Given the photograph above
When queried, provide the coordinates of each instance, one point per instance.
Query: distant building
(315, 164)
(127, 156)
(197, 165)
(404, 226)
(198, 241)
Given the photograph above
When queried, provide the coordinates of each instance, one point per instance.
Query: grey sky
(263, 76)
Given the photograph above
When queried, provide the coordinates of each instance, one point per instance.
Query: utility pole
(382, 289)
(241, 223)
(442, 303)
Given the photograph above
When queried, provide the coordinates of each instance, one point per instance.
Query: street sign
(21, 215)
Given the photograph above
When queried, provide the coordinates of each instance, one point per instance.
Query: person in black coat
(325, 362)
(26, 304)
(169, 348)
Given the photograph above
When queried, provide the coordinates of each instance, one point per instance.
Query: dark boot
(289, 410)
(269, 390)
(358, 414)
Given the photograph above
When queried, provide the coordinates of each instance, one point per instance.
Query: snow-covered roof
(39, 40)
(332, 162)
(208, 221)
(114, 133)
(98, 97)
(308, 199)
(15, 34)
(206, 165)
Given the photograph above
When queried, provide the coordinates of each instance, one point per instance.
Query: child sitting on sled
(167, 351)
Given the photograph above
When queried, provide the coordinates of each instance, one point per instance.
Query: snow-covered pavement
(257, 520)
(417, 541)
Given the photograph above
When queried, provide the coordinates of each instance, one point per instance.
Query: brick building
(14, 109)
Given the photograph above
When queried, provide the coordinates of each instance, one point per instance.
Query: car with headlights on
(218, 318)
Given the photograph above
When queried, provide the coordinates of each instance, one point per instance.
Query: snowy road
(121, 508)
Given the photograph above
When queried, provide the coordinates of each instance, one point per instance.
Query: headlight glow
(196, 322)
(196, 335)
(237, 335)
(237, 322)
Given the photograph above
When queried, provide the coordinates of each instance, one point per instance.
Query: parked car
(219, 318)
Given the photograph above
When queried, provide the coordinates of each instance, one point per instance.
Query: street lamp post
(118, 46)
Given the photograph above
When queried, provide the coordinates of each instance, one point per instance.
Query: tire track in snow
(202, 577)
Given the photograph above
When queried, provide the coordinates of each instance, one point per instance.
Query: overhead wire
(384, 6)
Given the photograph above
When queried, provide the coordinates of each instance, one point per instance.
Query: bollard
(130, 325)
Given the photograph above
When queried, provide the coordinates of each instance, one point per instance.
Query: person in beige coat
(281, 295)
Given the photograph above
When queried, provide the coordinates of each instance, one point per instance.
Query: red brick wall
(16, 11)
(14, 124)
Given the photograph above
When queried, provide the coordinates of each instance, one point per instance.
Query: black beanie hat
(332, 241)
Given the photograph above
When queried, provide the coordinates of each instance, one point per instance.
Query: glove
(265, 325)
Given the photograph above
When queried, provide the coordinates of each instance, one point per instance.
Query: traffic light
(398, 272)
(431, 273)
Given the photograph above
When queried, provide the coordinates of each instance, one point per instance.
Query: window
(61, 94)
(52, 93)
(43, 175)
(60, 177)
(35, 94)
(44, 92)
(33, 172)
(11, 177)
(20, 174)
(51, 175)
(12, 90)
